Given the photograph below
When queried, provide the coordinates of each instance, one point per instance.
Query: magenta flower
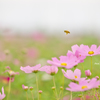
(29, 69)
(65, 61)
(50, 69)
(87, 73)
(2, 96)
(86, 51)
(76, 75)
(75, 52)
(83, 85)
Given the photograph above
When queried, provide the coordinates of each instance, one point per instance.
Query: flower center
(84, 87)
(64, 64)
(76, 77)
(90, 52)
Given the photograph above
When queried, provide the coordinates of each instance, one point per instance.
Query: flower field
(40, 67)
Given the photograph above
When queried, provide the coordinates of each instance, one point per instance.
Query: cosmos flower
(2, 96)
(25, 87)
(29, 69)
(50, 69)
(11, 72)
(83, 85)
(76, 75)
(87, 73)
(65, 61)
(86, 51)
(75, 52)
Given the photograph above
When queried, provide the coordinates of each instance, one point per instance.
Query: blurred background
(32, 31)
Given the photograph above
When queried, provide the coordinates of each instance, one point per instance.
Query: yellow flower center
(90, 52)
(64, 64)
(76, 77)
(84, 87)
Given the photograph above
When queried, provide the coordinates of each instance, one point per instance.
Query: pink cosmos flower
(50, 69)
(10, 72)
(76, 75)
(75, 52)
(29, 69)
(2, 96)
(87, 73)
(86, 51)
(16, 62)
(25, 87)
(83, 85)
(65, 61)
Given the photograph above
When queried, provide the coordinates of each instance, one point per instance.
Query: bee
(66, 31)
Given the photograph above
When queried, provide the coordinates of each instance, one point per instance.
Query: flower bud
(87, 73)
(40, 91)
(97, 77)
(61, 88)
(7, 52)
(53, 88)
(31, 88)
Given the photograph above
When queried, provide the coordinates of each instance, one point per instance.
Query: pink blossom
(87, 73)
(65, 61)
(50, 69)
(76, 75)
(2, 96)
(29, 69)
(83, 85)
(86, 51)
(11, 72)
(75, 52)
(25, 87)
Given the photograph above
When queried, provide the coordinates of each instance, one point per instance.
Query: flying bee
(66, 31)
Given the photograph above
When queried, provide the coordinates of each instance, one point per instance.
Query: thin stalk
(26, 96)
(63, 86)
(37, 86)
(32, 95)
(94, 95)
(71, 95)
(55, 88)
(91, 64)
(40, 96)
(9, 88)
(60, 93)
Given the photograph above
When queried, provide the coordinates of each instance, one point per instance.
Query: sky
(50, 15)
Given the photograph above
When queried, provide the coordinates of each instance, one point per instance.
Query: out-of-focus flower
(76, 75)
(29, 69)
(65, 61)
(37, 36)
(7, 52)
(52, 70)
(31, 88)
(5, 79)
(16, 62)
(87, 73)
(10, 72)
(97, 77)
(75, 52)
(32, 53)
(2, 96)
(83, 85)
(2, 56)
(40, 91)
(25, 87)
(86, 51)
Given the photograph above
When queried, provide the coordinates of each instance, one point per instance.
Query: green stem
(63, 86)
(32, 95)
(40, 96)
(9, 88)
(71, 95)
(37, 86)
(26, 96)
(55, 87)
(91, 64)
